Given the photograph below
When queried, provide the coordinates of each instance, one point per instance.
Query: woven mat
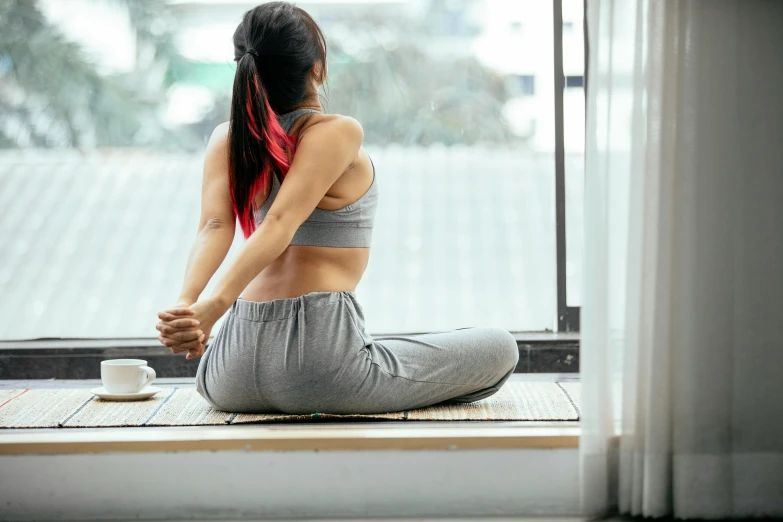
(78, 408)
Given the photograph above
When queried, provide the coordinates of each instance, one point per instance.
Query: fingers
(189, 346)
(168, 331)
(183, 347)
(196, 352)
(165, 329)
(192, 341)
(174, 313)
(180, 310)
(194, 346)
(171, 344)
(181, 324)
(185, 336)
(170, 318)
(179, 338)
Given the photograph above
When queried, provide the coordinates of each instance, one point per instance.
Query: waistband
(285, 308)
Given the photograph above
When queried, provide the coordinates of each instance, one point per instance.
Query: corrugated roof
(94, 244)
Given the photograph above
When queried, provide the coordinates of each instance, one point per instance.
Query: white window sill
(405, 435)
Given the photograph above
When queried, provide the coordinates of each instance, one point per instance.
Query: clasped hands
(186, 326)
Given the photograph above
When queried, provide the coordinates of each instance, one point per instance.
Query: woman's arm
(217, 224)
(323, 153)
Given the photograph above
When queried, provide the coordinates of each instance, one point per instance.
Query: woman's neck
(311, 101)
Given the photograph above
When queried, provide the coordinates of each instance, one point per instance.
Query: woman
(304, 192)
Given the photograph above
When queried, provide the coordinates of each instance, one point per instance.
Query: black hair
(276, 47)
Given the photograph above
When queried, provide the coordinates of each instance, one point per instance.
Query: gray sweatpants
(312, 354)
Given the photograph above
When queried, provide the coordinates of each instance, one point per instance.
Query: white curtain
(682, 316)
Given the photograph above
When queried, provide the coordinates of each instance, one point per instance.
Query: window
(102, 146)
(574, 143)
(523, 84)
(574, 81)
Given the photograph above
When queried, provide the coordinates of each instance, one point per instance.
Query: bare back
(303, 269)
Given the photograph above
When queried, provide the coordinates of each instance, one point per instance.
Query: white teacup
(126, 375)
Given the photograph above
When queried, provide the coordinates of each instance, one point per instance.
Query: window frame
(567, 316)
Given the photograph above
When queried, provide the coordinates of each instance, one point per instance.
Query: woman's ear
(319, 73)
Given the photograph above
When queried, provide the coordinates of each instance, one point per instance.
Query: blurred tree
(52, 95)
(407, 81)
(416, 82)
(404, 96)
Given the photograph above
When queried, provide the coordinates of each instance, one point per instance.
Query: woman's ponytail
(277, 46)
(258, 145)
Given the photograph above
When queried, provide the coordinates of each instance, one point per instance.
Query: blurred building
(516, 39)
(106, 247)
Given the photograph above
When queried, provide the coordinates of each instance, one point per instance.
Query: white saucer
(145, 393)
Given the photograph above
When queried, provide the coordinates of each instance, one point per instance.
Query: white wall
(220, 485)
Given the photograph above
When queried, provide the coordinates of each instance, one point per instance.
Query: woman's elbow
(278, 222)
(217, 225)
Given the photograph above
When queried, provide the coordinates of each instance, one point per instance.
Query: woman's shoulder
(337, 119)
(217, 146)
(221, 129)
(325, 128)
(334, 127)
(219, 137)
(328, 123)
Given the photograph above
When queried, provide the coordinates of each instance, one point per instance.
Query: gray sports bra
(349, 226)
